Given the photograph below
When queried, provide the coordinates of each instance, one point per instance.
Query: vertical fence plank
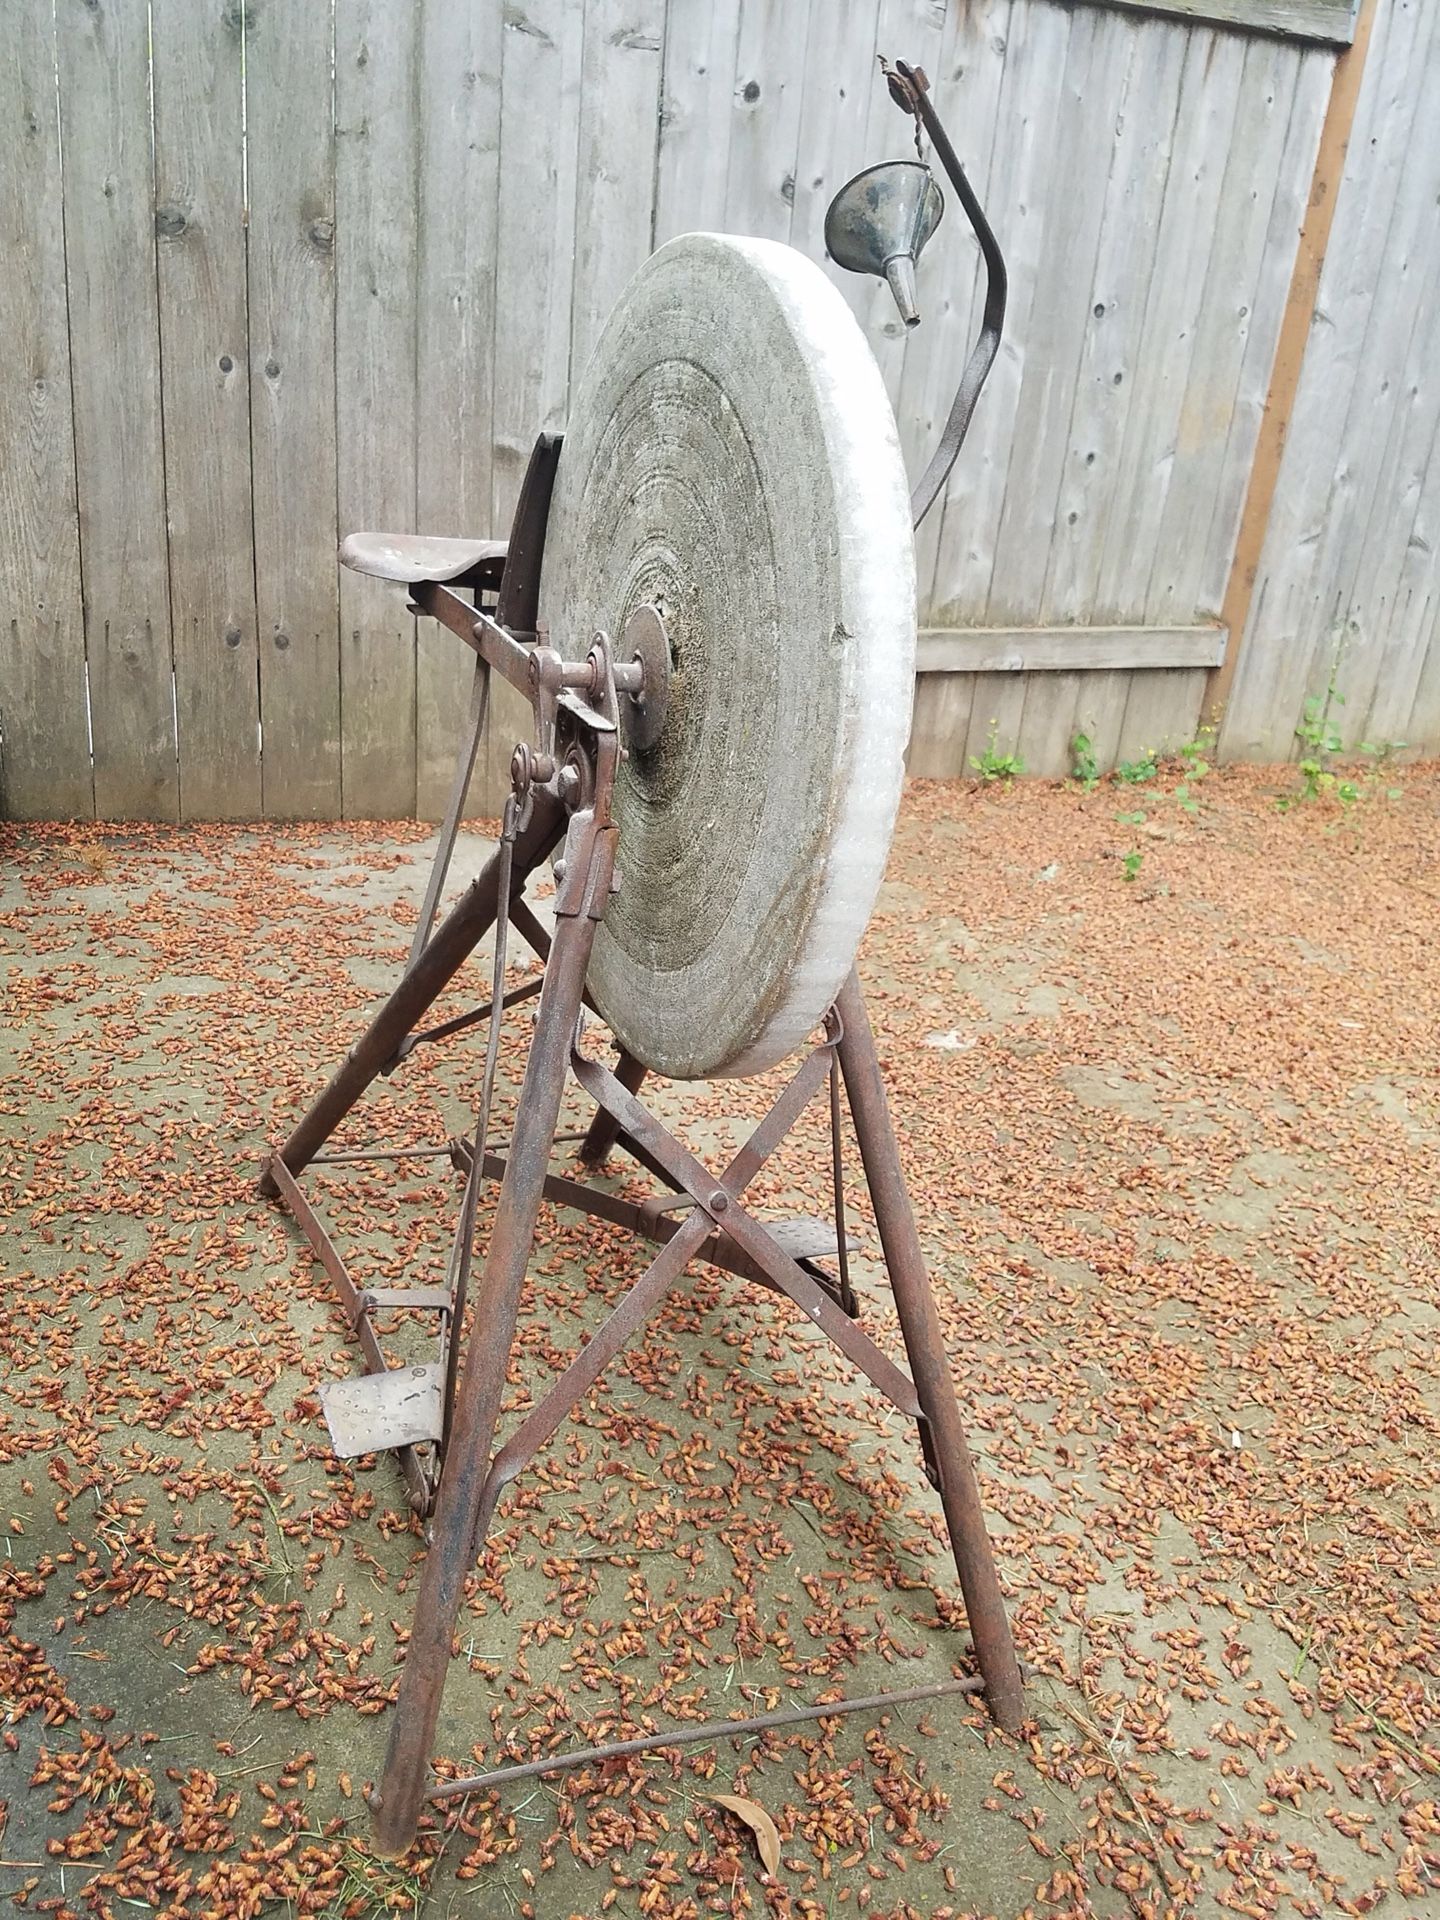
(1204, 124)
(1030, 525)
(1020, 172)
(1294, 174)
(45, 759)
(455, 319)
(1409, 671)
(535, 255)
(115, 378)
(199, 225)
(1290, 614)
(1162, 711)
(291, 263)
(1422, 725)
(1370, 563)
(765, 132)
(377, 140)
(701, 42)
(1116, 304)
(1223, 321)
(534, 275)
(939, 725)
(913, 31)
(1084, 115)
(834, 111)
(1022, 169)
(1365, 499)
(966, 84)
(619, 136)
(1115, 307)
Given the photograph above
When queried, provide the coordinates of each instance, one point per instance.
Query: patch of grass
(373, 1887)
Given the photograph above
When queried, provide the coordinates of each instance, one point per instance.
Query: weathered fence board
(534, 275)
(378, 140)
(619, 138)
(104, 72)
(765, 132)
(45, 768)
(199, 227)
(701, 45)
(967, 80)
(371, 329)
(291, 259)
(459, 217)
(1361, 442)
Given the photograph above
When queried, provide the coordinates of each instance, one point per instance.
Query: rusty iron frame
(562, 784)
(716, 1228)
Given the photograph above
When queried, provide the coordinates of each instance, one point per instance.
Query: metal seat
(412, 557)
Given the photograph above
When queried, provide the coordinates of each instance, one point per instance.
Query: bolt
(559, 870)
(719, 1200)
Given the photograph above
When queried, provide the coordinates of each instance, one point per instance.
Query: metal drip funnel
(879, 223)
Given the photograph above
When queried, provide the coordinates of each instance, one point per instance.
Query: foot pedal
(806, 1239)
(411, 1299)
(379, 1411)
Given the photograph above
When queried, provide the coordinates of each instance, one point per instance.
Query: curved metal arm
(909, 89)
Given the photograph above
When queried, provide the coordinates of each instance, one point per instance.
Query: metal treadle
(402, 1407)
(806, 1239)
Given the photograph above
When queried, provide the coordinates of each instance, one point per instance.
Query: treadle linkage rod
(710, 1731)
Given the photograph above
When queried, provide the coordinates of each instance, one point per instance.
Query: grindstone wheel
(731, 460)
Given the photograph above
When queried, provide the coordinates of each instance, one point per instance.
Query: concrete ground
(1173, 1125)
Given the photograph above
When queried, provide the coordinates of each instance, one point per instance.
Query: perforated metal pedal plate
(401, 1408)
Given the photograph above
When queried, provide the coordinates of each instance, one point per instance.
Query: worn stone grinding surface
(731, 457)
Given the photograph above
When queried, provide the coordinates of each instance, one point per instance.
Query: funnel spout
(900, 272)
(879, 223)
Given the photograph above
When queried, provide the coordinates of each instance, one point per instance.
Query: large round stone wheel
(731, 459)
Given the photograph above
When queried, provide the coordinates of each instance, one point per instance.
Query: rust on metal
(711, 1732)
(442, 1417)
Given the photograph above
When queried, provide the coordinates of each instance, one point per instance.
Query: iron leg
(463, 1503)
(462, 930)
(929, 1364)
(605, 1129)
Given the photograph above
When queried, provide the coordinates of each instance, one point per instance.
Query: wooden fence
(286, 270)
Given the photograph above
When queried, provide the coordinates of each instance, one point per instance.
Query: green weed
(1134, 773)
(993, 765)
(1084, 767)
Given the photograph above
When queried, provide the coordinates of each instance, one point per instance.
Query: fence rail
(280, 270)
